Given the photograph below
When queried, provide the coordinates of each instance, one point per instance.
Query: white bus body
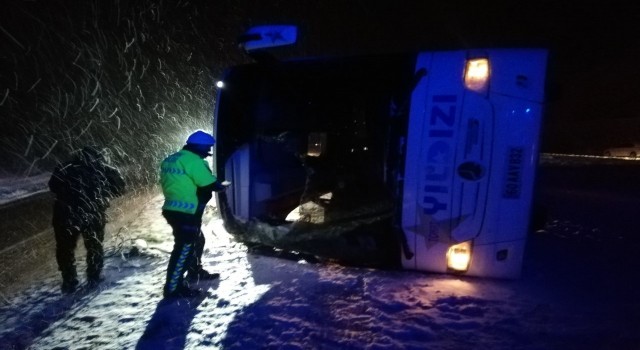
(471, 161)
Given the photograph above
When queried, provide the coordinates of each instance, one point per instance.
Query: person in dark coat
(83, 187)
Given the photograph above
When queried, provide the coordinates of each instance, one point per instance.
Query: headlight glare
(476, 74)
(459, 256)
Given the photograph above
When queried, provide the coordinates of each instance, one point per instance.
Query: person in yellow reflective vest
(187, 185)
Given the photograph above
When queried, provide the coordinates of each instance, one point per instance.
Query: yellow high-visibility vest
(180, 176)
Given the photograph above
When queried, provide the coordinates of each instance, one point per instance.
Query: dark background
(138, 76)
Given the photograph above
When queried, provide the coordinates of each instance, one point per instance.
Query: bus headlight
(476, 74)
(459, 256)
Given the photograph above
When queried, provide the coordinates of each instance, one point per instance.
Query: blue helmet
(201, 138)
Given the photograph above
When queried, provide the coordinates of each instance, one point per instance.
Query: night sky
(592, 95)
(130, 73)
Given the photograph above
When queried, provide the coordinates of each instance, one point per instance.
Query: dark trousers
(187, 248)
(67, 230)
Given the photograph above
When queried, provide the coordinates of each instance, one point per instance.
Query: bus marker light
(459, 256)
(476, 74)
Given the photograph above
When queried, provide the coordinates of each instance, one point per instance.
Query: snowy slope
(271, 302)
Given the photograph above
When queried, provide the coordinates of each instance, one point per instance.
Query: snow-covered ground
(568, 298)
(14, 188)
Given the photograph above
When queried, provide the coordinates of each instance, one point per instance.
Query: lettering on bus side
(513, 173)
(439, 156)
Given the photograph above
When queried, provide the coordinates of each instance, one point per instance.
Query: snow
(568, 298)
(12, 189)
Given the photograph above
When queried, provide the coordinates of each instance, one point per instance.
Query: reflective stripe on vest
(175, 171)
(180, 204)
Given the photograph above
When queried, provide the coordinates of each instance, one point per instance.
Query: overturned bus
(424, 161)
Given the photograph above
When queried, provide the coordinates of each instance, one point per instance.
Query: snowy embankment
(273, 302)
(12, 189)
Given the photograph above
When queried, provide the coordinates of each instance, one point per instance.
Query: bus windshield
(322, 136)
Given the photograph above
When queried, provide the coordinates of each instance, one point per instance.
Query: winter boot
(69, 282)
(201, 274)
(181, 291)
(93, 280)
